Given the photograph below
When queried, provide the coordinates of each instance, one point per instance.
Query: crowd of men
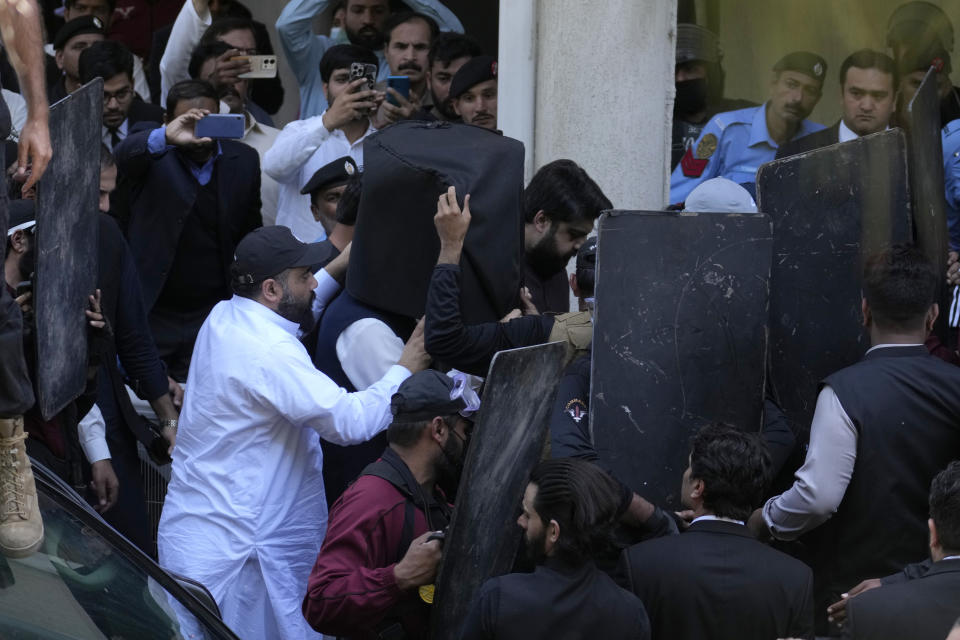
(317, 439)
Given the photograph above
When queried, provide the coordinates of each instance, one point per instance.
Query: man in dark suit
(122, 107)
(716, 580)
(191, 201)
(569, 508)
(867, 97)
(924, 608)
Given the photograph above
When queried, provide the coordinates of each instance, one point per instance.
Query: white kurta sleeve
(293, 387)
(366, 350)
(293, 147)
(187, 30)
(93, 436)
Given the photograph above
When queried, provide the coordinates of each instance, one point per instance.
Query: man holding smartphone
(363, 24)
(305, 146)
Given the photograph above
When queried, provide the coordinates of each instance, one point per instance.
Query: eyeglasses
(120, 96)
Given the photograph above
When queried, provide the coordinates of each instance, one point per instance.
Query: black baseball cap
(23, 215)
(332, 174)
(473, 72)
(803, 62)
(76, 27)
(265, 252)
(427, 394)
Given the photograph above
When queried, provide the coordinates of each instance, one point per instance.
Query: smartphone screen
(400, 84)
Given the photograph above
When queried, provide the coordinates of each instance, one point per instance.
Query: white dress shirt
(107, 138)
(302, 147)
(93, 436)
(261, 137)
(245, 512)
(846, 134)
(17, 105)
(366, 349)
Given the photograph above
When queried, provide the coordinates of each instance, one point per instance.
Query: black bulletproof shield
(508, 439)
(830, 208)
(395, 246)
(67, 241)
(925, 161)
(679, 338)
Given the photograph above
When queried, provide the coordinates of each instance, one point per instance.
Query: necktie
(114, 139)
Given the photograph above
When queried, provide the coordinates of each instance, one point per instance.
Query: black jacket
(162, 194)
(815, 140)
(556, 602)
(717, 581)
(918, 609)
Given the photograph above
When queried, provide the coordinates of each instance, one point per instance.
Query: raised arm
(191, 22)
(468, 348)
(23, 39)
(447, 20)
(302, 47)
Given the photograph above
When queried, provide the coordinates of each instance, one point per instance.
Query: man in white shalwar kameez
(245, 512)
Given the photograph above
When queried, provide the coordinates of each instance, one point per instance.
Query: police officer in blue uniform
(951, 177)
(733, 145)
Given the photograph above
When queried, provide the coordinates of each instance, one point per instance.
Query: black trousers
(16, 393)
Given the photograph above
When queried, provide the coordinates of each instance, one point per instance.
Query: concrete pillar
(603, 90)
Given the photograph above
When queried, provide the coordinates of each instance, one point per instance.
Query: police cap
(922, 58)
(697, 43)
(919, 23)
(332, 174)
(76, 27)
(803, 62)
(473, 72)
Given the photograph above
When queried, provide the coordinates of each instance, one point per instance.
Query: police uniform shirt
(733, 145)
(950, 136)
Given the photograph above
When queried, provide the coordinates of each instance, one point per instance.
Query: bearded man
(245, 512)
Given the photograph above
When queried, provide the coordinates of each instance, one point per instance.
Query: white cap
(720, 195)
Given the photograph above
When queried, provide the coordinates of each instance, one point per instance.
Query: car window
(79, 585)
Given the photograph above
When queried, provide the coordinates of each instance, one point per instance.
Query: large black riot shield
(679, 338)
(67, 245)
(830, 208)
(395, 245)
(925, 161)
(508, 439)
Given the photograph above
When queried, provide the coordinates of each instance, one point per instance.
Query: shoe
(21, 527)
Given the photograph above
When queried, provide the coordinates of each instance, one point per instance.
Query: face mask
(691, 96)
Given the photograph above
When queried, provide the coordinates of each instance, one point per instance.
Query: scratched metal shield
(67, 246)
(679, 338)
(925, 160)
(508, 439)
(830, 209)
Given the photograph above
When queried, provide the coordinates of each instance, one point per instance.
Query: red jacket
(352, 590)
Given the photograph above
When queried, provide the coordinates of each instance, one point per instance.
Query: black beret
(803, 62)
(473, 72)
(924, 57)
(332, 174)
(23, 215)
(425, 395)
(77, 26)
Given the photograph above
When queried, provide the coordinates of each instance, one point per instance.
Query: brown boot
(21, 527)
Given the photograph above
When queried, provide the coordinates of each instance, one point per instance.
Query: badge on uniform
(706, 147)
(692, 167)
(577, 409)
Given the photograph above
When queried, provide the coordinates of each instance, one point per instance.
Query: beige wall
(755, 33)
